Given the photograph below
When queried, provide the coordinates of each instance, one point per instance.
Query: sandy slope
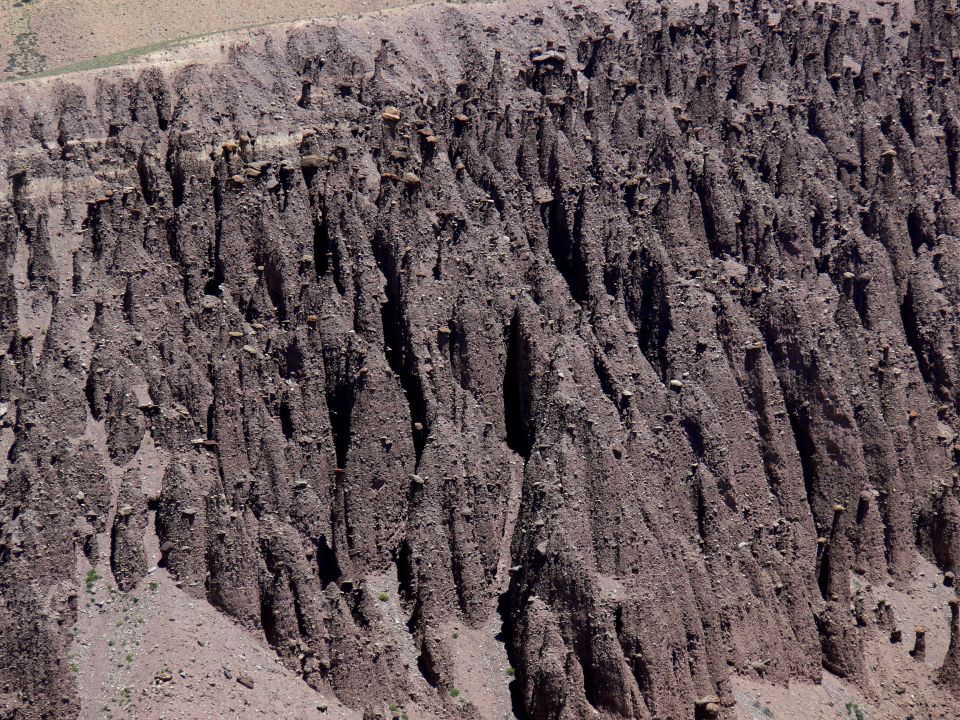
(40, 35)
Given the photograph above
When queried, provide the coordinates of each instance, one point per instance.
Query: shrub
(854, 710)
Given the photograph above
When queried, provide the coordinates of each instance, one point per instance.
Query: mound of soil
(583, 361)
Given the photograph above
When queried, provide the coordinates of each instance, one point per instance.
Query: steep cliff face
(632, 328)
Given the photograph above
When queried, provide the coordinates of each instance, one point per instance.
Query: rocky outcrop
(128, 558)
(950, 669)
(634, 325)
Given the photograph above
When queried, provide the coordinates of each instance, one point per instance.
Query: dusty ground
(51, 35)
(547, 361)
(56, 36)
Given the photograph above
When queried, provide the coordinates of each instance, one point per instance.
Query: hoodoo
(533, 360)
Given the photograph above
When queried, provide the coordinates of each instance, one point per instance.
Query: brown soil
(47, 35)
(511, 361)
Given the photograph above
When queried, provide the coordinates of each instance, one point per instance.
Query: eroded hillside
(624, 336)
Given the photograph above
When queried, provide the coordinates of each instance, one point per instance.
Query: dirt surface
(519, 361)
(39, 36)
